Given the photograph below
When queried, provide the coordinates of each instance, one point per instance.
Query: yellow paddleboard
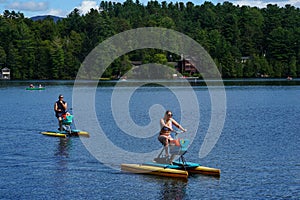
(159, 171)
(65, 134)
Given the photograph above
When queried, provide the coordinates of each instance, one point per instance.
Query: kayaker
(166, 124)
(60, 108)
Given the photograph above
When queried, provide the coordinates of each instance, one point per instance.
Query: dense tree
(57, 59)
(243, 41)
(2, 56)
(42, 65)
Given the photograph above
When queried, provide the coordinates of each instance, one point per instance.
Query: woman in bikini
(166, 124)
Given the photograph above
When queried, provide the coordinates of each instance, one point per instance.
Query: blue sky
(64, 7)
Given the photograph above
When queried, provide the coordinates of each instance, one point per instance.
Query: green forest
(243, 41)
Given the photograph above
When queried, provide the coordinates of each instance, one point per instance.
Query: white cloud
(57, 12)
(297, 4)
(28, 6)
(264, 3)
(87, 5)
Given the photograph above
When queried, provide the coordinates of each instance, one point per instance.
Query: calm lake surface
(258, 151)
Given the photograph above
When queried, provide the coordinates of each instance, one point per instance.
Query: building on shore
(5, 73)
(186, 66)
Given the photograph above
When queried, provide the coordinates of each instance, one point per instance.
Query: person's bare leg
(172, 158)
(166, 150)
(60, 124)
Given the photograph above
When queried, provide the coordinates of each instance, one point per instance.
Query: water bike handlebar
(177, 132)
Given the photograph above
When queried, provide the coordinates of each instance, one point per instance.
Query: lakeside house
(5, 74)
(244, 59)
(186, 66)
(183, 66)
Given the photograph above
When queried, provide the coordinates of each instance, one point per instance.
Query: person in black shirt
(60, 108)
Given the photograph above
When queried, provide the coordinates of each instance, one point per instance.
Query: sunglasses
(169, 115)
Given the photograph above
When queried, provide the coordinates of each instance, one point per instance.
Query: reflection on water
(63, 147)
(62, 154)
(173, 189)
(169, 188)
(61, 172)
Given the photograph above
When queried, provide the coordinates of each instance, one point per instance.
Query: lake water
(257, 152)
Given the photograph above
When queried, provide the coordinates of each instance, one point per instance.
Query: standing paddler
(60, 108)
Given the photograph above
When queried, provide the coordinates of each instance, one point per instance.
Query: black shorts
(58, 114)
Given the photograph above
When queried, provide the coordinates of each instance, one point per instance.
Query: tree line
(243, 41)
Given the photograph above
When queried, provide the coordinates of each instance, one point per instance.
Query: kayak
(36, 88)
(177, 169)
(65, 134)
(154, 170)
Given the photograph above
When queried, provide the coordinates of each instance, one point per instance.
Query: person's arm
(55, 107)
(65, 105)
(178, 125)
(163, 124)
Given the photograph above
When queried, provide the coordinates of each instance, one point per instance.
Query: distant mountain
(55, 18)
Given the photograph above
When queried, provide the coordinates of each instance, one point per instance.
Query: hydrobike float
(67, 130)
(165, 166)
